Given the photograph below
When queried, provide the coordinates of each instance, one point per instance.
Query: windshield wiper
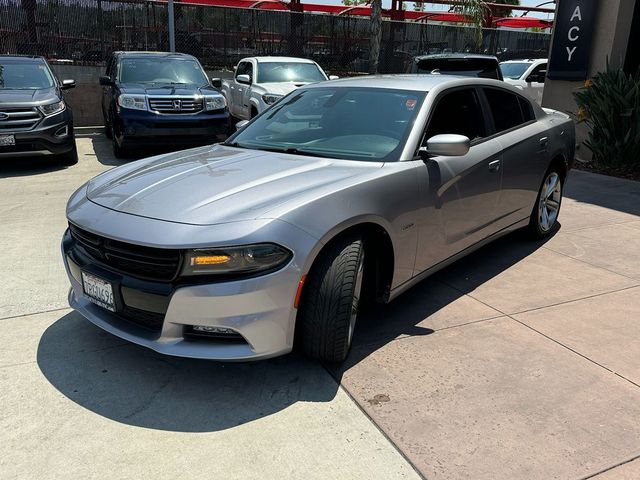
(292, 151)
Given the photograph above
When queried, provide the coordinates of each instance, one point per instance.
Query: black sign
(573, 31)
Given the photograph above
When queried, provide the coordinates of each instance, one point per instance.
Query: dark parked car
(34, 118)
(463, 64)
(154, 98)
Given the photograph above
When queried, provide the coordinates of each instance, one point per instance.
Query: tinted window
(466, 67)
(505, 108)
(527, 110)
(289, 72)
(162, 70)
(457, 112)
(369, 124)
(17, 75)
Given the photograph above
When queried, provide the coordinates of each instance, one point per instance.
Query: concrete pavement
(79, 403)
(518, 362)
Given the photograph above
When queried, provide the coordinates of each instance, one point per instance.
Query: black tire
(118, 151)
(69, 158)
(330, 299)
(107, 126)
(538, 228)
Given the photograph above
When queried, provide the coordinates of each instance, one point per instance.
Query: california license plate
(98, 291)
(7, 140)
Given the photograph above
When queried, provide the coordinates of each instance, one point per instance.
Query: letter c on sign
(573, 38)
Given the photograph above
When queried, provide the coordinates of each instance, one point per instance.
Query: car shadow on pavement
(29, 166)
(137, 386)
(413, 313)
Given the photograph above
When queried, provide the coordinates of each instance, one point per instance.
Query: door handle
(494, 166)
(544, 141)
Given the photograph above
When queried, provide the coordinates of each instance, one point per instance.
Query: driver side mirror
(244, 78)
(216, 82)
(67, 84)
(241, 124)
(105, 81)
(333, 77)
(538, 77)
(447, 145)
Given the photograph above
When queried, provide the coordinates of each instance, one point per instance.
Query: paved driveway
(520, 361)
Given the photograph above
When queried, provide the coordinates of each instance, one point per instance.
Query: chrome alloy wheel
(549, 203)
(356, 298)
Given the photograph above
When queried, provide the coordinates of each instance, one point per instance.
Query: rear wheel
(330, 300)
(545, 212)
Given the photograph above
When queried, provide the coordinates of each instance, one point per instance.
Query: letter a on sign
(576, 14)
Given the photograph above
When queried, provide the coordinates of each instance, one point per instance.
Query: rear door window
(505, 109)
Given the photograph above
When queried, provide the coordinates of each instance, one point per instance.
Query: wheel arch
(377, 239)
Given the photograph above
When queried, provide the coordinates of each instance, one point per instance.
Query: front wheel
(69, 158)
(118, 150)
(330, 300)
(545, 212)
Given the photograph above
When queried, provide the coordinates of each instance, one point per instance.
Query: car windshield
(161, 70)
(369, 124)
(25, 75)
(513, 71)
(269, 72)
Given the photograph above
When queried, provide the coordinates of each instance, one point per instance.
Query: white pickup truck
(527, 75)
(259, 82)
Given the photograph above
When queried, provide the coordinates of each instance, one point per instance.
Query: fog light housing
(62, 131)
(213, 330)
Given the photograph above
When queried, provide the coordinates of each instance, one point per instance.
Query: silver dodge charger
(343, 192)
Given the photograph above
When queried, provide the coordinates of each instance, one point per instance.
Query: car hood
(210, 185)
(162, 90)
(9, 97)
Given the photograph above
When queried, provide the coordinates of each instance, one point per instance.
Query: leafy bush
(610, 105)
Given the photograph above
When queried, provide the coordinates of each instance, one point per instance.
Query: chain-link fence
(85, 31)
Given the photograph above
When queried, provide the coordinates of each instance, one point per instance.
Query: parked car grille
(178, 105)
(159, 264)
(18, 119)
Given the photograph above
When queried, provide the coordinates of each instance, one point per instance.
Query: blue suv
(155, 99)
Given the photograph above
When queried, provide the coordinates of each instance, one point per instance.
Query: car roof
(22, 58)
(139, 54)
(525, 60)
(410, 81)
(267, 59)
(444, 56)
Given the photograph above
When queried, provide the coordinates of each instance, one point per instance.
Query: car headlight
(216, 102)
(245, 260)
(52, 108)
(271, 98)
(135, 102)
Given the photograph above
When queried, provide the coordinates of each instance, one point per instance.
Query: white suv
(527, 75)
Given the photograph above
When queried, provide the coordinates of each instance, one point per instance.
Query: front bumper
(160, 315)
(143, 128)
(45, 139)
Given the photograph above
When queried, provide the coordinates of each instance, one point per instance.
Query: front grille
(150, 320)
(18, 119)
(175, 105)
(159, 264)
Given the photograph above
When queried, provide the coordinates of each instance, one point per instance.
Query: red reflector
(299, 291)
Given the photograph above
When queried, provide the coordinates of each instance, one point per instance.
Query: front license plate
(7, 140)
(98, 291)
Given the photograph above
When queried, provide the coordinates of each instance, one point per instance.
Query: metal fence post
(172, 28)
